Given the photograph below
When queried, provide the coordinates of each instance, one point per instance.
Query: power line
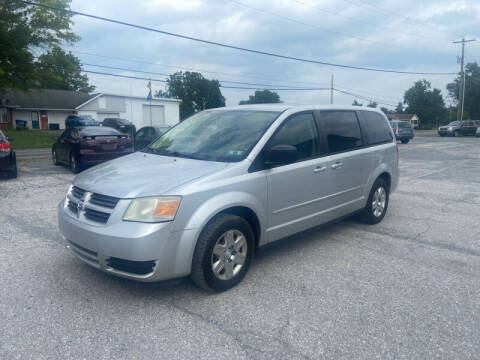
(368, 23)
(184, 68)
(162, 74)
(363, 97)
(222, 86)
(384, 12)
(287, 57)
(310, 25)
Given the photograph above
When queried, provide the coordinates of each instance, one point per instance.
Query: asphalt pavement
(406, 288)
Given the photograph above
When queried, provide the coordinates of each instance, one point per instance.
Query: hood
(141, 174)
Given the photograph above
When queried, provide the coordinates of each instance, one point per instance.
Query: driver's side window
(299, 131)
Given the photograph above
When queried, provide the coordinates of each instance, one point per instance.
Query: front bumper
(104, 246)
(404, 136)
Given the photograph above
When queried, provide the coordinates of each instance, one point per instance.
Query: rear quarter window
(375, 127)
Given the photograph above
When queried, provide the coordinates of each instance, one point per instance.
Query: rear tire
(13, 173)
(377, 203)
(405, 141)
(223, 253)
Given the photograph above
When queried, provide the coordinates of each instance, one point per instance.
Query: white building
(47, 109)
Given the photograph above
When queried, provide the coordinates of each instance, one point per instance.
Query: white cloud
(418, 36)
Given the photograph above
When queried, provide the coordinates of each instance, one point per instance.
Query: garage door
(101, 116)
(153, 115)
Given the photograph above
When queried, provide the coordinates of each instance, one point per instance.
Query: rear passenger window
(299, 131)
(375, 127)
(341, 130)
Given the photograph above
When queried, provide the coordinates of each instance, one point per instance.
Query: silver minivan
(204, 196)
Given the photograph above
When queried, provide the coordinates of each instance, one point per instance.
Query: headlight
(450, 128)
(153, 209)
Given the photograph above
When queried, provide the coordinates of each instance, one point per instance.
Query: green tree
(24, 28)
(372, 104)
(356, 103)
(426, 102)
(472, 90)
(196, 92)
(262, 97)
(59, 70)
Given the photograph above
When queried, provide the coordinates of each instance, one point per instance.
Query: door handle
(337, 165)
(319, 169)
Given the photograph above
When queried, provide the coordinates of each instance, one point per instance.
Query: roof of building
(45, 99)
(401, 116)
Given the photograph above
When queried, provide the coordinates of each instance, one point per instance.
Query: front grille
(97, 216)
(77, 192)
(104, 200)
(91, 206)
(72, 206)
(133, 267)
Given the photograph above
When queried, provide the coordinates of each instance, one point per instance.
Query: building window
(3, 116)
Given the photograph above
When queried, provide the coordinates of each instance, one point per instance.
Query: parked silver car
(203, 197)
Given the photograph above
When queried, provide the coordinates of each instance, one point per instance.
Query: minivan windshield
(454, 123)
(217, 135)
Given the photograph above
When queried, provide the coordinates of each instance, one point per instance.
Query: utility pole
(461, 92)
(331, 91)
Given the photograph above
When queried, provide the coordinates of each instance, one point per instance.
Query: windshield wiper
(168, 153)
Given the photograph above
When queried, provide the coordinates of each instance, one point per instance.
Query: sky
(407, 35)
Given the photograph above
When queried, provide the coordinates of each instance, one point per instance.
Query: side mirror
(280, 155)
(9, 139)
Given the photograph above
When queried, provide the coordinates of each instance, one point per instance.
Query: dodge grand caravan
(204, 196)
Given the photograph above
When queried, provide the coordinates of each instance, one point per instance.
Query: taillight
(5, 146)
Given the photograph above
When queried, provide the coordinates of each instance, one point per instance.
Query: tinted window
(2, 137)
(96, 131)
(375, 127)
(404, 125)
(342, 130)
(299, 131)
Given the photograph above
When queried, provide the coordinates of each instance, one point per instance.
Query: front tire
(405, 141)
(223, 253)
(74, 165)
(54, 157)
(377, 203)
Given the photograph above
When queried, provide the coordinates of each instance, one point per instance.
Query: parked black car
(122, 125)
(147, 134)
(403, 130)
(8, 159)
(458, 128)
(80, 120)
(80, 147)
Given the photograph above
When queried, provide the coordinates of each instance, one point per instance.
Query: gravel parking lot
(408, 287)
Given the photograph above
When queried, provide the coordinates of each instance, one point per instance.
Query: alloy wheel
(229, 254)
(379, 201)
